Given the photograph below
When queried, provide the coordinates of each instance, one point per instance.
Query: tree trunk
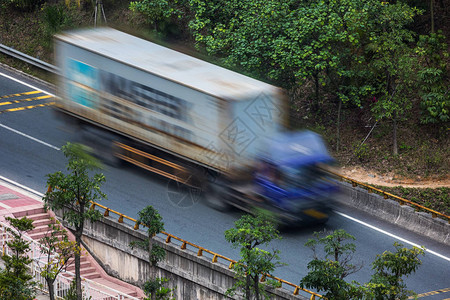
(256, 285)
(338, 130)
(394, 137)
(51, 288)
(432, 15)
(150, 247)
(316, 83)
(78, 269)
(247, 287)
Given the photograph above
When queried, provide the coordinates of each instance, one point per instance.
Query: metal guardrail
(387, 195)
(200, 250)
(29, 59)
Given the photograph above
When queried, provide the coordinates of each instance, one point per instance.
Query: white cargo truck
(178, 116)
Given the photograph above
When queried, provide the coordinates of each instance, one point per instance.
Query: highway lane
(27, 159)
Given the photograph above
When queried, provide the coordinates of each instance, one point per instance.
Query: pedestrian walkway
(16, 201)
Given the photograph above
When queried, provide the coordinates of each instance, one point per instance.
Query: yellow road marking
(26, 107)
(20, 94)
(25, 100)
(431, 293)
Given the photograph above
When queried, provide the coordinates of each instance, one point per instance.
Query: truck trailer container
(190, 121)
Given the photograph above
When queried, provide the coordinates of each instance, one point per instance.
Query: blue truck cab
(289, 180)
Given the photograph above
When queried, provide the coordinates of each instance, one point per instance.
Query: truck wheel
(215, 197)
(109, 156)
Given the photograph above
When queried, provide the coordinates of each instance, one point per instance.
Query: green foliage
(54, 19)
(151, 218)
(155, 290)
(437, 199)
(56, 241)
(390, 268)
(74, 192)
(432, 49)
(15, 281)
(361, 151)
(392, 63)
(159, 12)
(22, 5)
(327, 273)
(249, 233)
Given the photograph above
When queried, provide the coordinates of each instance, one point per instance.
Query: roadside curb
(389, 210)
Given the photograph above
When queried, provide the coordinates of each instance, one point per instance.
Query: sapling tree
(15, 280)
(390, 268)
(249, 233)
(73, 193)
(150, 218)
(57, 250)
(328, 272)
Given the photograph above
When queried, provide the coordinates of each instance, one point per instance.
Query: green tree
(249, 233)
(159, 12)
(56, 242)
(392, 63)
(15, 280)
(150, 218)
(434, 79)
(390, 268)
(73, 193)
(328, 273)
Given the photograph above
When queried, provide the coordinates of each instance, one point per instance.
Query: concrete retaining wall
(194, 277)
(391, 211)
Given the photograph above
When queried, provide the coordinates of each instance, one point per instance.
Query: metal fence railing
(215, 257)
(28, 59)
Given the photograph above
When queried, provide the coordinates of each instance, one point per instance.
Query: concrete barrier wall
(391, 211)
(193, 277)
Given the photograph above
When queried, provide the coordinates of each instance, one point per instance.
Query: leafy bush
(22, 5)
(361, 151)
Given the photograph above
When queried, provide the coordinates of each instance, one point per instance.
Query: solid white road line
(30, 190)
(30, 137)
(21, 133)
(392, 235)
(27, 84)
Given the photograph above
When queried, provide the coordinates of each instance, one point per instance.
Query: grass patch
(437, 199)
